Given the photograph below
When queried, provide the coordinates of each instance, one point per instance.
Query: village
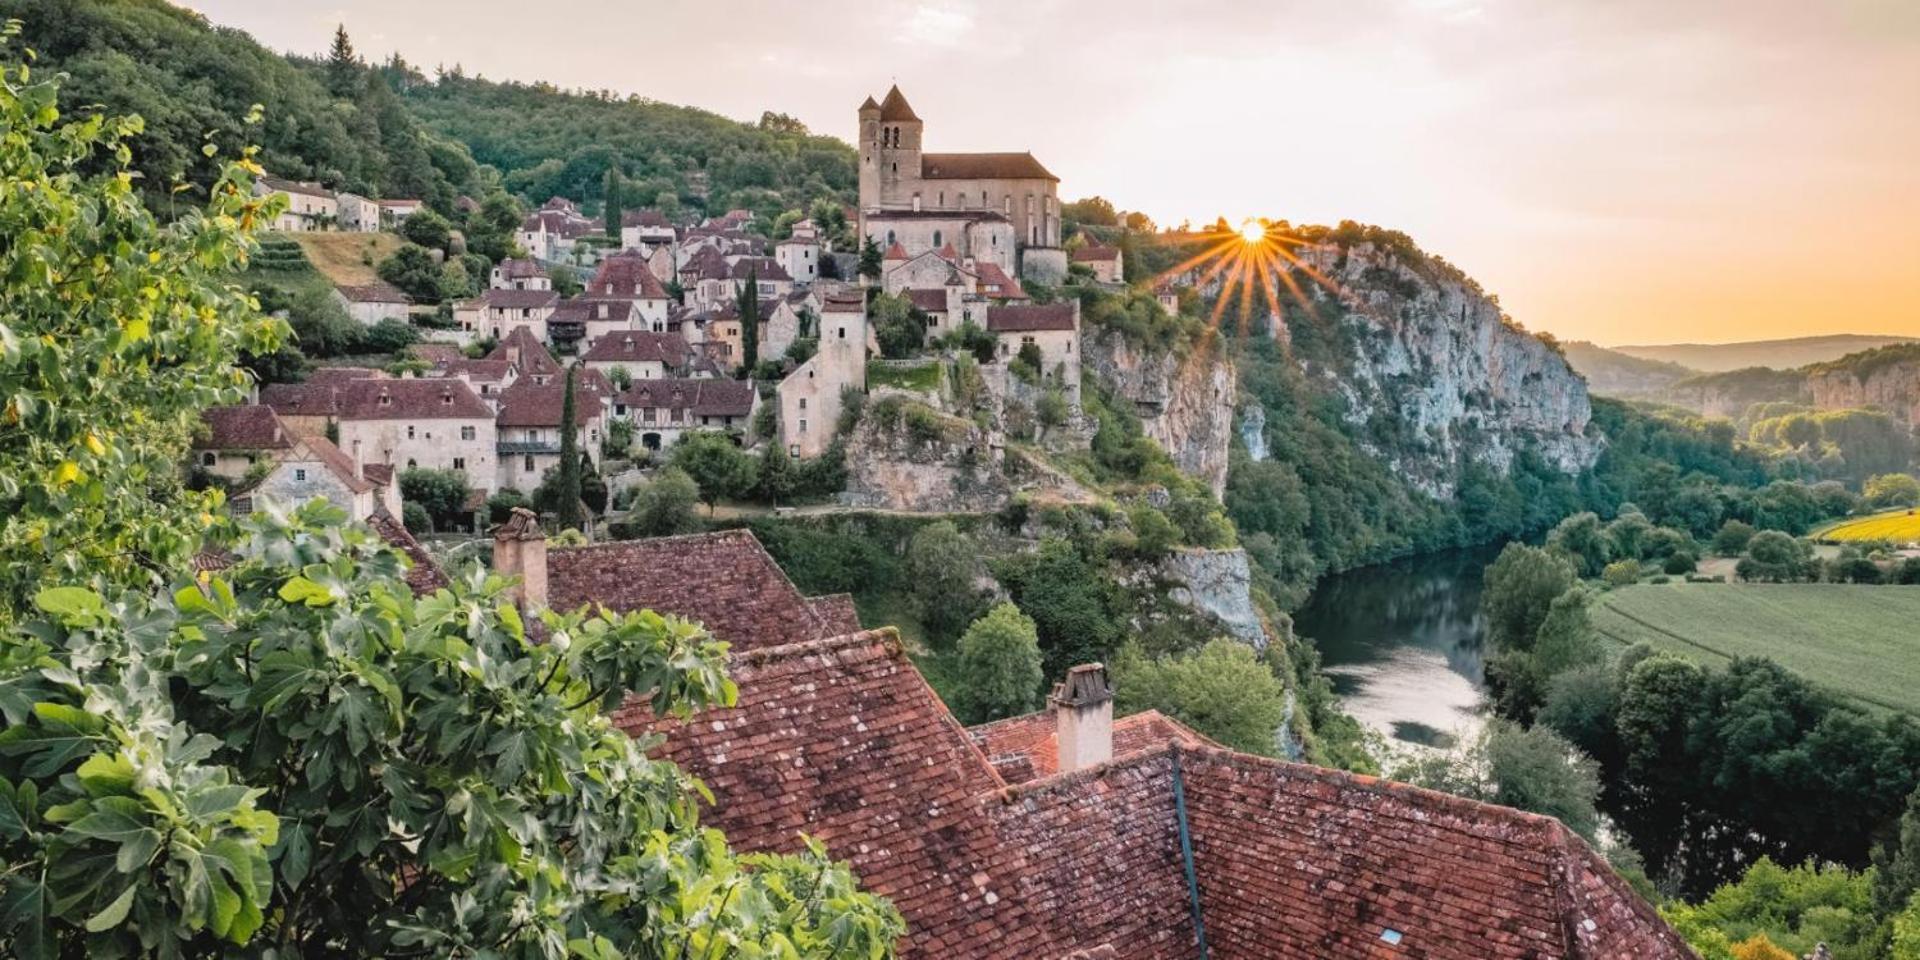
(656, 343)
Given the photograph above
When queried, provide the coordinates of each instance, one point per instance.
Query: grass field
(924, 378)
(1859, 641)
(341, 257)
(1899, 526)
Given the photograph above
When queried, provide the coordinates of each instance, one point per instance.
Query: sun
(1253, 231)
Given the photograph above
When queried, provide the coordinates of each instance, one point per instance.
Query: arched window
(936, 240)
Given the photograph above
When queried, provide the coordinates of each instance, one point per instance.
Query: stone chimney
(520, 550)
(1083, 717)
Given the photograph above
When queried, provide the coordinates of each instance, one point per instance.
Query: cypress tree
(567, 509)
(750, 322)
(611, 200)
(343, 65)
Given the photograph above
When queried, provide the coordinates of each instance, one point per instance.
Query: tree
(1052, 409)
(1906, 932)
(775, 481)
(390, 335)
(1897, 859)
(443, 494)
(118, 331)
(870, 261)
(413, 270)
(428, 229)
(1893, 490)
(500, 506)
(1069, 599)
(1732, 539)
(293, 756)
(568, 511)
(322, 325)
(663, 507)
(750, 321)
(942, 565)
(613, 204)
(1000, 659)
(1775, 556)
(1520, 587)
(898, 328)
(720, 468)
(1621, 573)
(1223, 690)
(343, 66)
(1581, 539)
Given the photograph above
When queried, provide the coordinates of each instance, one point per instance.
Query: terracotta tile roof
(520, 268)
(699, 397)
(376, 292)
(243, 428)
(379, 474)
(301, 399)
(982, 166)
(1095, 253)
(339, 375)
(1025, 748)
(930, 301)
(436, 353)
(845, 303)
(424, 576)
(896, 252)
(894, 107)
(836, 613)
(707, 264)
(626, 276)
(869, 104)
(478, 371)
(637, 346)
(434, 398)
(725, 580)
(529, 404)
(766, 268)
(995, 284)
(295, 186)
(525, 351)
(644, 218)
(1050, 316)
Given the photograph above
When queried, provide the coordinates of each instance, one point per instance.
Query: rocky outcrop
(1438, 375)
(1893, 386)
(1219, 584)
(1184, 400)
(906, 456)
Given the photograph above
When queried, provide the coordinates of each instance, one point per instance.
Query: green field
(1860, 641)
(1899, 526)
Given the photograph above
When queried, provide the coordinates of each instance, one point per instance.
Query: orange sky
(1623, 171)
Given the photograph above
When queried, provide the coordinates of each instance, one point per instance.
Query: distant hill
(1788, 354)
(1611, 373)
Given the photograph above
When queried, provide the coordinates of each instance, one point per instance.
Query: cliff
(1184, 398)
(908, 457)
(1887, 379)
(1434, 374)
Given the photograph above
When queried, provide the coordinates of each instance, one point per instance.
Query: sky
(1623, 171)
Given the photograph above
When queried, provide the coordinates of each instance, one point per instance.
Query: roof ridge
(886, 638)
(1067, 778)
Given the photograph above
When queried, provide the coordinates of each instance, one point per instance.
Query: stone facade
(810, 395)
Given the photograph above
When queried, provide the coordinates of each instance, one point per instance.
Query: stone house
(662, 410)
(1002, 207)
(769, 277)
(231, 441)
(394, 212)
(549, 233)
(799, 257)
(530, 358)
(643, 355)
(357, 213)
(439, 423)
(373, 302)
(496, 312)
(1054, 328)
(529, 424)
(519, 273)
(1104, 261)
(626, 277)
(252, 448)
(308, 407)
(810, 396)
(310, 206)
(706, 279)
(643, 229)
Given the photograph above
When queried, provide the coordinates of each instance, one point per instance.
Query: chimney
(520, 550)
(1083, 717)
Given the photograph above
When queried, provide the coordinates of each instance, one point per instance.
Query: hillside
(1611, 373)
(1778, 354)
(346, 259)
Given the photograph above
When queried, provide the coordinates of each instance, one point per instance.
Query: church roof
(895, 109)
(983, 166)
(869, 105)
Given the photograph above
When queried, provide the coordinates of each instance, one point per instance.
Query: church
(1002, 208)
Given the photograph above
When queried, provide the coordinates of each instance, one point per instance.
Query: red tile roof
(243, 428)
(836, 613)
(434, 398)
(1095, 253)
(929, 301)
(725, 580)
(529, 404)
(639, 346)
(375, 292)
(994, 282)
(982, 166)
(424, 576)
(1025, 748)
(436, 353)
(765, 268)
(626, 276)
(699, 397)
(520, 268)
(896, 252)
(507, 298)
(1050, 316)
(525, 351)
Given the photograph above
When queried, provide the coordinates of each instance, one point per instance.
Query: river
(1402, 644)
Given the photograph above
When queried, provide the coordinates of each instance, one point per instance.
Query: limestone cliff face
(1185, 403)
(1437, 375)
(906, 456)
(1218, 583)
(1893, 387)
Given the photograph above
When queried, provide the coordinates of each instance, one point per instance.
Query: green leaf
(69, 603)
(111, 820)
(208, 803)
(113, 913)
(302, 590)
(106, 773)
(295, 855)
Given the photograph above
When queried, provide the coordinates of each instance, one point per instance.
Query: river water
(1402, 644)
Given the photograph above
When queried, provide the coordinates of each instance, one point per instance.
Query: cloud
(938, 24)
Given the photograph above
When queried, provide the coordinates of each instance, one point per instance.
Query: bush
(390, 336)
(500, 505)
(414, 517)
(1679, 563)
(942, 564)
(661, 507)
(1621, 573)
(1000, 666)
(441, 493)
(1223, 690)
(1893, 490)
(411, 268)
(1732, 539)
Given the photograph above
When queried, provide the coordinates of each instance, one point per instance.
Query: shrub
(1000, 664)
(1223, 690)
(1621, 573)
(1679, 563)
(1732, 539)
(414, 517)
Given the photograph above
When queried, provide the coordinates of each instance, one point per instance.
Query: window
(526, 465)
(936, 240)
(803, 425)
(943, 202)
(466, 433)
(300, 474)
(412, 464)
(459, 463)
(793, 449)
(843, 333)
(916, 202)
(409, 431)
(209, 458)
(803, 403)
(889, 238)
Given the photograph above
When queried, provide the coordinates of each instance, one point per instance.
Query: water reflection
(1402, 644)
